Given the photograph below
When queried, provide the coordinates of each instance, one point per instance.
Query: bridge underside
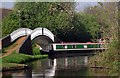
(43, 42)
(42, 36)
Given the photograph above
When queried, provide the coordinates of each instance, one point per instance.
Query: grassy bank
(108, 59)
(18, 60)
(21, 58)
(15, 59)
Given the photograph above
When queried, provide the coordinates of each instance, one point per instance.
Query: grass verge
(15, 59)
(21, 58)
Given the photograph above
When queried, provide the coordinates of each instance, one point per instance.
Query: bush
(108, 58)
(36, 51)
(3, 50)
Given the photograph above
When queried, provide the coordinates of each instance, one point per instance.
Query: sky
(8, 5)
(60, 0)
(79, 6)
(80, 3)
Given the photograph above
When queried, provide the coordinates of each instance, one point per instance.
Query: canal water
(53, 68)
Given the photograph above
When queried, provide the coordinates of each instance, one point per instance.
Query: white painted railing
(48, 33)
(20, 32)
(36, 32)
(42, 31)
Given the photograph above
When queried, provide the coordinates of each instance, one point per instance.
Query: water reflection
(16, 74)
(47, 68)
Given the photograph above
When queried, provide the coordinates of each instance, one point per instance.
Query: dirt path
(14, 48)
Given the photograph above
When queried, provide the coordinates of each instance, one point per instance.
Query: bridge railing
(20, 32)
(36, 32)
(48, 33)
(42, 31)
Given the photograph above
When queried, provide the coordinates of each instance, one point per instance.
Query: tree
(58, 17)
(107, 17)
(10, 23)
(53, 16)
(87, 26)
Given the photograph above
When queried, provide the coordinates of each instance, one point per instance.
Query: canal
(65, 66)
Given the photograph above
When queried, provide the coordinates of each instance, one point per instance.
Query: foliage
(36, 51)
(83, 28)
(0, 29)
(13, 60)
(60, 18)
(87, 25)
(10, 23)
(107, 16)
(39, 14)
(108, 58)
(3, 50)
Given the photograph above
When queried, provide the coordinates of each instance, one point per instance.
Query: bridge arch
(43, 37)
(19, 33)
(40, 35)
(42, 32)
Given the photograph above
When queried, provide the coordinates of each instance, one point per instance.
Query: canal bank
(75, 66)
(17, 61)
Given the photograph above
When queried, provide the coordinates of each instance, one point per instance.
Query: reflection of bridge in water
(50, 67)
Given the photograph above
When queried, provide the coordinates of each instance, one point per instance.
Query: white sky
(81, 4)
(59, 0)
